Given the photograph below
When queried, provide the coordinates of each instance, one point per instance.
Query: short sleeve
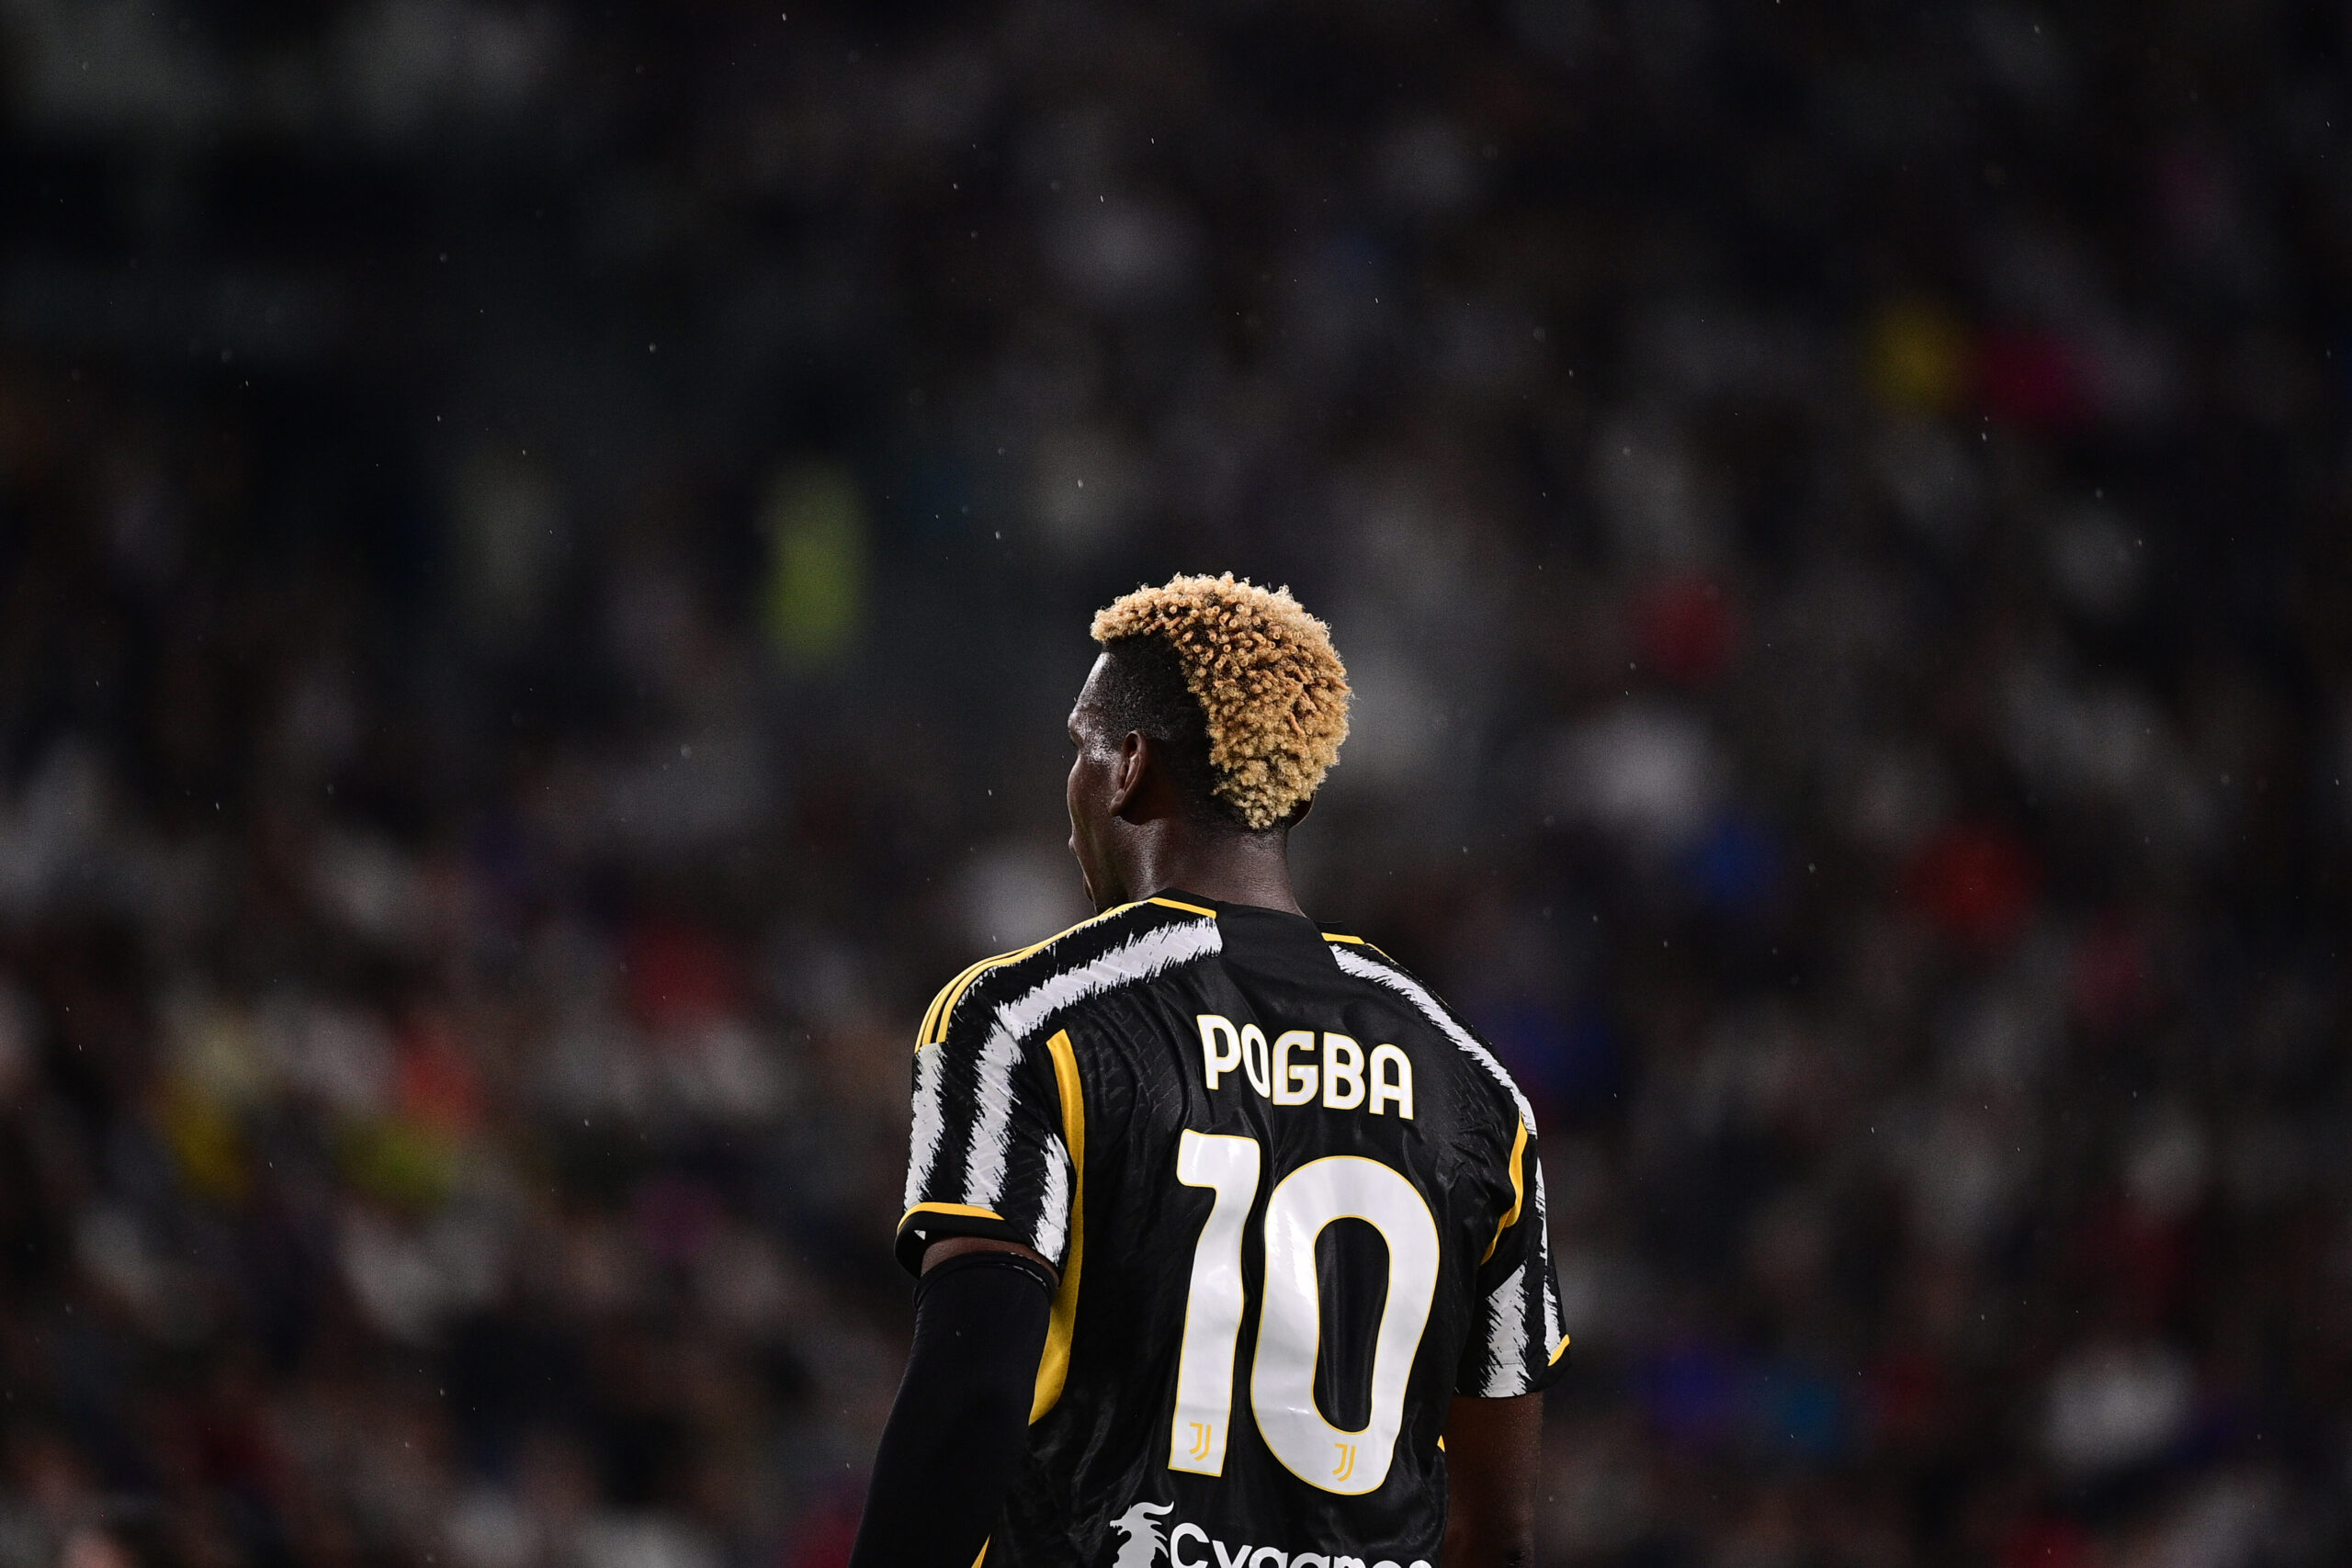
(1517, 1343)
(989, 1147)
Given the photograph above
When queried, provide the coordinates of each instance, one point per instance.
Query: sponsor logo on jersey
(1143, 1544)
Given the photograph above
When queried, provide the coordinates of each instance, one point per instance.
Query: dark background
(544, 549)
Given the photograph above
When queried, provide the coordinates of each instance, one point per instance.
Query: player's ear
(1127, 778)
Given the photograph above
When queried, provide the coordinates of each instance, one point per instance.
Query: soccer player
(1230, 1235)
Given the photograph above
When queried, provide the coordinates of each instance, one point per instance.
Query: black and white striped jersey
(1296, 1207)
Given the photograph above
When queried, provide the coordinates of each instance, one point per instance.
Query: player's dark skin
(1134, 834)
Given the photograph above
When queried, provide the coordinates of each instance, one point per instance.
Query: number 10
(1282, 1382)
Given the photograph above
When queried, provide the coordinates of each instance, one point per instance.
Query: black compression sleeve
(959, 1427)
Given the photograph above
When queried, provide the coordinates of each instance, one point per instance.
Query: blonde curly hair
(1266, 676)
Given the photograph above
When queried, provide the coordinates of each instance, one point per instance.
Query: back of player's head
(1238, 682)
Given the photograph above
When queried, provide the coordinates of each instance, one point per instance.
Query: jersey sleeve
(989, 1149)
(1517, 1344)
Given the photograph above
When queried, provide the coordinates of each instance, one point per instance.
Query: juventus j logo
(1347, 1465)
(1200, 1439)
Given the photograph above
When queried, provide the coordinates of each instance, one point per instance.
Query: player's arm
(957, 1431)
(986, 1230)
(1494, 1429)
(1491, 1448)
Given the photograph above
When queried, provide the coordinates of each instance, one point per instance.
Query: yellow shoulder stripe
(942, 1006)
(1052, 1366)
(1518, 1189)
(1355, 941)
(935, 1018)
(1188, 908)
(1559, 1350)
(969, 1211)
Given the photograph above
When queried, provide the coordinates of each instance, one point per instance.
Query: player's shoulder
(1468, 1052)
(1129, 942)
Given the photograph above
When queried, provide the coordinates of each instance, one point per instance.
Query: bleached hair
(1266, 676)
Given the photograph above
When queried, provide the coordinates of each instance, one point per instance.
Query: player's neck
(1228, 867)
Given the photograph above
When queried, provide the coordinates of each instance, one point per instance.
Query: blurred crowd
(544, 549)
